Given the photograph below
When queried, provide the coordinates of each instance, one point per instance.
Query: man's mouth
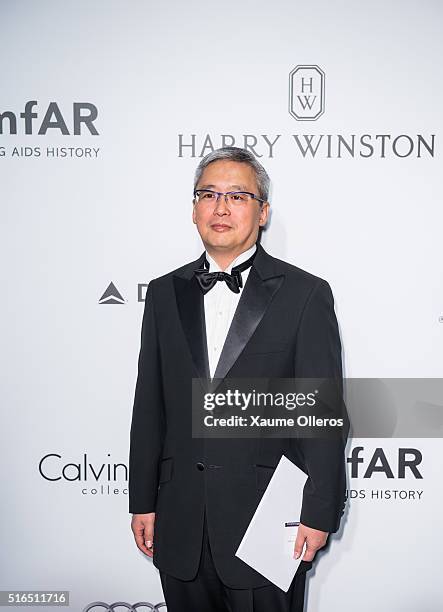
(220, 227)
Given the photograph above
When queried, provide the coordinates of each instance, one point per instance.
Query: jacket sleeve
(318, 355)
(148, 424)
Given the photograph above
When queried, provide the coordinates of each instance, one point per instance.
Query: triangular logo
(111, 296)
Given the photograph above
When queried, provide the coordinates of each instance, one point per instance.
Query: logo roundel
(141, 606)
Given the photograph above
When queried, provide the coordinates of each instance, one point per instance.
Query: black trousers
(207, 593)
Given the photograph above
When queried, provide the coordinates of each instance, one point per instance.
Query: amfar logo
(111, 295)
(307, 92)
(83, 114)
(405, 463)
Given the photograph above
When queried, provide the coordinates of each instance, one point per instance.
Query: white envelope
(268, 545)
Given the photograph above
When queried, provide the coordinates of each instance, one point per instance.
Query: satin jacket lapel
(262, 284)
(192, 315)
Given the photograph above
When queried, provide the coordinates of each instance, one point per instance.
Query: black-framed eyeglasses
(234, 198)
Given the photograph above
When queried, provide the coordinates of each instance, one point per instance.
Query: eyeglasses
(234, 198)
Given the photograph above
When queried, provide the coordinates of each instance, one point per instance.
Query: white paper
(268, 546)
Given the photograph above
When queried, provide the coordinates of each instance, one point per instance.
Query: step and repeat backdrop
(106, 108)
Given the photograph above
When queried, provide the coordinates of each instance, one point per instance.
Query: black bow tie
(207, 280)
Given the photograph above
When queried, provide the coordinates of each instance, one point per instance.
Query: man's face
(224, 227)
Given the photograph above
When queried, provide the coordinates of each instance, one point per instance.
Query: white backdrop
(80, 211)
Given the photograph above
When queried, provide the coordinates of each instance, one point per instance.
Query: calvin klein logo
(306, 92)
(112, 295)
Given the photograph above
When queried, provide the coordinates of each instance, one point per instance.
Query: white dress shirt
(220, 305)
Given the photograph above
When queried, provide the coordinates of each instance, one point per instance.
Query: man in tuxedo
(235, 312)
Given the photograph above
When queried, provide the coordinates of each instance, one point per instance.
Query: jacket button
(200, 466)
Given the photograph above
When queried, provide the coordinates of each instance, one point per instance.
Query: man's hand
(142, 526)
(315, 539)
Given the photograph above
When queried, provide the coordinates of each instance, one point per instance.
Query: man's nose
(221, 208)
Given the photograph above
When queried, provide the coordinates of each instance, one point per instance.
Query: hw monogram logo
(306, 93)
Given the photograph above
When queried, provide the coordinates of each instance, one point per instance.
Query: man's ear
(264, 213)
(194, 220)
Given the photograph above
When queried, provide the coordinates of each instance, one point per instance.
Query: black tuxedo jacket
(284, 327)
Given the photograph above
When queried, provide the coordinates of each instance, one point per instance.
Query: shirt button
(200, 466)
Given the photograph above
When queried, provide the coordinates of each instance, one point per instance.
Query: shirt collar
(214, 267)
